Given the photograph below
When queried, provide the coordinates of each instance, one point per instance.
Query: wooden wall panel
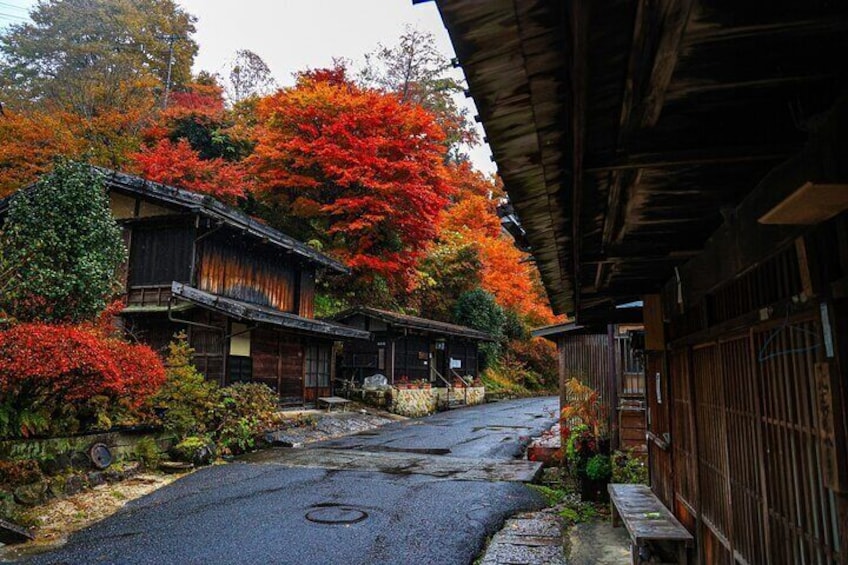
(801, 509)
(160, 255)
(265, 351)
(306, 294)
(744, 447)
(659, 430)
(587, 359)
(712, 439)
(652, 313)
(683, 436)
(291, 367)
(247, 274)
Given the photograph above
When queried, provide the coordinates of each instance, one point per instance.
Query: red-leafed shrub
(61, 379)
(141, 370)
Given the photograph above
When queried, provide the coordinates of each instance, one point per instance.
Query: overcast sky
(291, 35)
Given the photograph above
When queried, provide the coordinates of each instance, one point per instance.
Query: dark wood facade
(691, 153)
(610, 360)
(242, 292)
(411, 347)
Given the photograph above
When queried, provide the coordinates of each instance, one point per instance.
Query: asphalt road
(262, 512)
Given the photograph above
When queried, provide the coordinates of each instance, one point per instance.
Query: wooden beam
(743, 242)
(654, 322)
(644, 94)
(672, 15)
(811, 204)
(579, 47)
(712, 156)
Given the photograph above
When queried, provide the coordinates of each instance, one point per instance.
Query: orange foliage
(364, 169)
(468, 181)
(28, 144)
(507, 273)
(473, 213)
(179, 165)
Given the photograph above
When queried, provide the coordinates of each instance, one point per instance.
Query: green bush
(190, 403)
(192, 407)
(19, 472)
(599, 468)
(247, 411)
(61, 248)
(194, 449)
(477, 309)
(146, 451)
(628, 467)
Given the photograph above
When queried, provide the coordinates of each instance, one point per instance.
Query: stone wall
(413, 403)
(471, 395)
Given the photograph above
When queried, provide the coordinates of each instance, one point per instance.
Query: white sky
(292, 35)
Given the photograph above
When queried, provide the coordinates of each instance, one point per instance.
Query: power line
(6, 5)
(13, 17)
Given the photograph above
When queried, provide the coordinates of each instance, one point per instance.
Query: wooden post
(613, 386)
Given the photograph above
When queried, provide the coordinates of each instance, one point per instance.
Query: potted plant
(583, 424)
(596, 477)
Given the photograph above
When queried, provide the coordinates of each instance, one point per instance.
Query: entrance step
(451, 468)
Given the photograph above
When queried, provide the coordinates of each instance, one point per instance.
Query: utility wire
(13, 7)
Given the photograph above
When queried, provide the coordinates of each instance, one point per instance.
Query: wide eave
(626, 132)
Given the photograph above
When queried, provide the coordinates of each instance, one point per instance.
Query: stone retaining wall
(413, 403)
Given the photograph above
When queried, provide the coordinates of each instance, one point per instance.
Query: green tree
(89, 56)
(450, 269)
(477, 309)
(419, 73)
(61, 247)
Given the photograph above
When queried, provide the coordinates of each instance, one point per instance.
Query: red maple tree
(363, 169)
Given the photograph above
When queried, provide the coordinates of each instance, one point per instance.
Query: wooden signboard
(834, 454)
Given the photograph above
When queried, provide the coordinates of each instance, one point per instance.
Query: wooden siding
(265, 351)
(412, 357)
(291, 367)
(749, 441)
(306, 293)
(160, 255)
(659, 426)
(153, 295)
(208, 344)
(466, 352)
(246, 273)
(586, 358)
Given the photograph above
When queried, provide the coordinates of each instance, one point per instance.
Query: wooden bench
(648, 521)
(331, 401)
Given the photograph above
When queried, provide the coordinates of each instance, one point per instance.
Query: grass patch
(552, 496)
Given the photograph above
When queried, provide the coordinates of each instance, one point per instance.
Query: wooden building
(242, 291)
(409, 346)
(610, 360)
(692, 153)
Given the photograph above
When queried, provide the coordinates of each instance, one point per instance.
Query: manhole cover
(336, 515)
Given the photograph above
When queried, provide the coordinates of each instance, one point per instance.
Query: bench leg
(682, 554)
(614, 515)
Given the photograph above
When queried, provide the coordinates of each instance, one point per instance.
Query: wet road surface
(262, 510)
